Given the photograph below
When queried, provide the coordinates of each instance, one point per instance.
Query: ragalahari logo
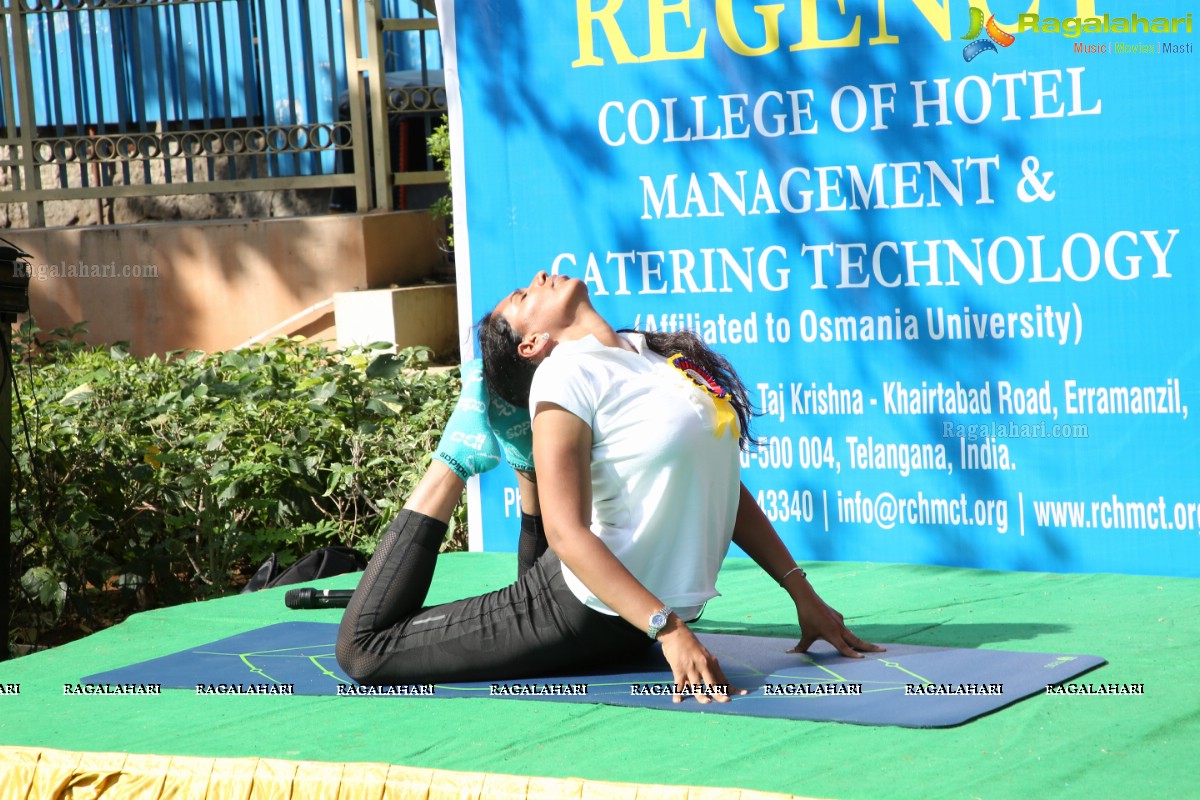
(995, 35)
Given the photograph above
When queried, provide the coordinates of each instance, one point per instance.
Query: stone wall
(212, 285)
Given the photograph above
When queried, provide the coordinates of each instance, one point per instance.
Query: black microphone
(309, 597)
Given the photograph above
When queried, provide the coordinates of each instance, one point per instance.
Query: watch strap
(658, 621)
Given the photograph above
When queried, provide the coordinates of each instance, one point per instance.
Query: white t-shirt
(665, 471)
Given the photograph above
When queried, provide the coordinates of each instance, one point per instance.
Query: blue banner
(951, 249)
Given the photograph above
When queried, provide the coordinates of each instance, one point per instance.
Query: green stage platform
(1046, 746)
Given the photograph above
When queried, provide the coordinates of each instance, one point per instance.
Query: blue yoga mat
(909, 685)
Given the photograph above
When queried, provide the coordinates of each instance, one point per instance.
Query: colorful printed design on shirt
(726, 416)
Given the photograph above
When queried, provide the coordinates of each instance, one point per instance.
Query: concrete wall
(214, 285)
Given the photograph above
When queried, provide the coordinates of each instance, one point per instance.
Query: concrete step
(407, 316)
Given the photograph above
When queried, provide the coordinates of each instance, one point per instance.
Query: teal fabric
(468, 446)
(482, 426)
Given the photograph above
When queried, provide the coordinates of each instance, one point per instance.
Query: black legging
(534, 627)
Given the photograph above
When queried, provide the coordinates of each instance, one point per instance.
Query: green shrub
(438, 146)
(173, 476)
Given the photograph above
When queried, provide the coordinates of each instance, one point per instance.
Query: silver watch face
(658, 620)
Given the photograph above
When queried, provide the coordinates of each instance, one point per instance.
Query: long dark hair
(693, 348)
(510, 376)
(507, 374)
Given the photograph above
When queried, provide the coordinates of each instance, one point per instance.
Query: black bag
(323, 563)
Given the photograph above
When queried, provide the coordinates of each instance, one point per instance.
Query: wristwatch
(658, 621)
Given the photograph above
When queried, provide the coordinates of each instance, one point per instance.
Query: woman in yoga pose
(635, 440)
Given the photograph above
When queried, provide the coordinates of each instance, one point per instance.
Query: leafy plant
(438, 145)
(168, 478)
